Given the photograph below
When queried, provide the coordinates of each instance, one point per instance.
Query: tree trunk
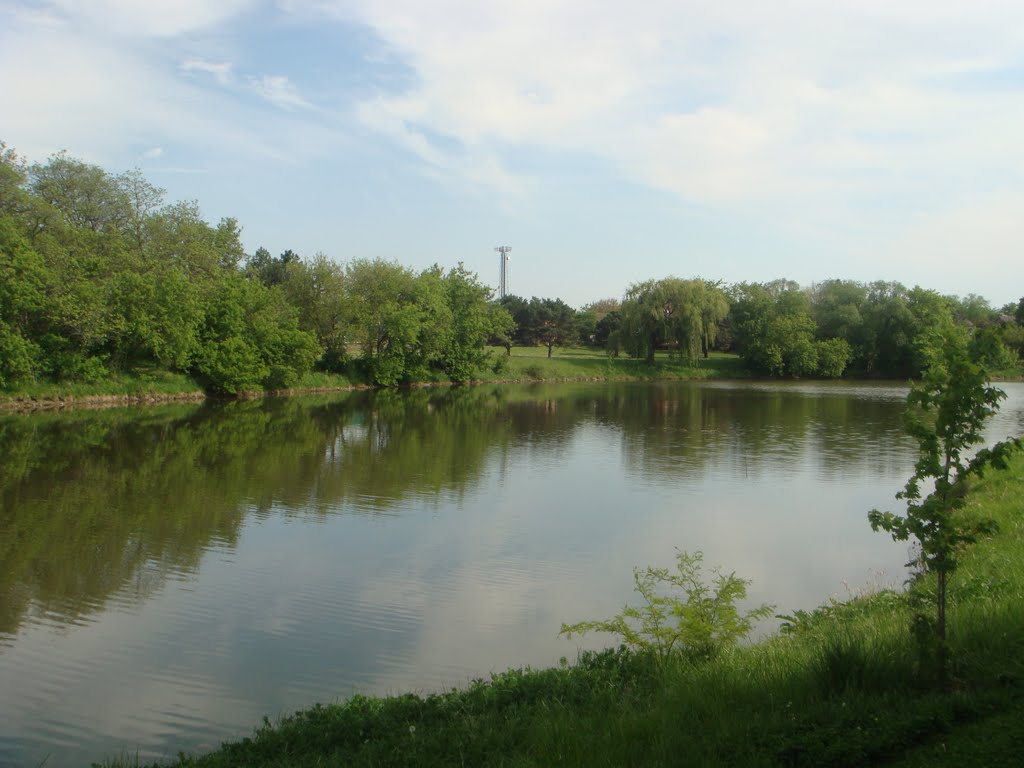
(941, 650)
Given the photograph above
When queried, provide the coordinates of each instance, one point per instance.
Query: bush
(694, 618)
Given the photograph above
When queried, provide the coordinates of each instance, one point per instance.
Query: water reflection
(197, 567)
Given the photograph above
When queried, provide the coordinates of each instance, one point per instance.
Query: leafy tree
(945, 414)
(606, 332)
(250, 339)
(317, 290)
(553, 323)
(775, 332)
(178, 234)
(693, 618)
(1013, 340)
(714, 308)
(586, 327)
(384, 316)
(271, 271)
(143, 199)
(682, 315)
(832, 357)
(474, 319)
(85, 194)
(1018, 314)
(522, 314)
(158, 320)
(24, 306)
(973, 310)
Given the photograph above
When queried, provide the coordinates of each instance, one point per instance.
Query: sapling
(946, 411)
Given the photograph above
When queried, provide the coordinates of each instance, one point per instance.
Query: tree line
(99, 275)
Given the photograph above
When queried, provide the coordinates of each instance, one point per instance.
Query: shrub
(695, 618)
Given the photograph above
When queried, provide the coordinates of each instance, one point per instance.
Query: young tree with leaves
(946, 411)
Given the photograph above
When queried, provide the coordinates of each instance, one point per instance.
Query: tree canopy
(99, 275)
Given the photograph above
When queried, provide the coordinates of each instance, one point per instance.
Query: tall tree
(384, 316)
(84, 194)
(317, 290)
(143, 199)
(474, 320)
(774, 332)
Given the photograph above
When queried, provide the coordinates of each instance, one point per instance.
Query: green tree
(271, 271)
(694, 618)
(24, 305)
(250, 339)
(521, 312)
(972, 310)
(474, 320)
(85, 194)
(385, 318)
(946, 411)
(775, 332)
(316, 288)
(143, 200)
(682, 315)
(607, 331)
(553, 323)
(159, 315)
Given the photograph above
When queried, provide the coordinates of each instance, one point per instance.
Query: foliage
(694, 618)
(554, 323)
(680, 315)
(474, 321)
(251, 340)
(317, 289)
(945, 414)
(100, 278)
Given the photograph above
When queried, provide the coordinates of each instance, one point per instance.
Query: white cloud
(221, 71)
(737, 103)
(152, 18)
(108, 96)
(279, 91)
(153, 153)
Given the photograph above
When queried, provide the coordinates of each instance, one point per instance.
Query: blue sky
(605, 142)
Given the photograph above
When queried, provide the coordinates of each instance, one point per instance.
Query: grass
(156, 383)
(574, 363)
(525, 364)
(841, 688)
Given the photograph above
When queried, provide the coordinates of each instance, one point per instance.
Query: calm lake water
(170, 575)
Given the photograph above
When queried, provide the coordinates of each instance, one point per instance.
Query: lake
(170, 575)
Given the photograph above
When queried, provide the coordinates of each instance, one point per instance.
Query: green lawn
(527, 363)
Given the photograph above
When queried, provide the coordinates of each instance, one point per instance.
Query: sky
(605, 142)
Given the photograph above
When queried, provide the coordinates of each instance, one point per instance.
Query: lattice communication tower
(503, 256)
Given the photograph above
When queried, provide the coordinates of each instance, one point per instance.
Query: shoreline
(29, 404)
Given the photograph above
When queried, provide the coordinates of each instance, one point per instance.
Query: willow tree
(680, 315)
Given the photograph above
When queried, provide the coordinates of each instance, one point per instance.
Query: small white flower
(412, 729)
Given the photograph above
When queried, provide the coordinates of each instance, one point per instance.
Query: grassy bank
(525, 364)
(841, 687)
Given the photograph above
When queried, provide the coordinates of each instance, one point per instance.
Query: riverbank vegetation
(106, 288)
(841, 686)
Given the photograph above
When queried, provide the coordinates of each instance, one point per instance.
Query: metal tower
(503, 270)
